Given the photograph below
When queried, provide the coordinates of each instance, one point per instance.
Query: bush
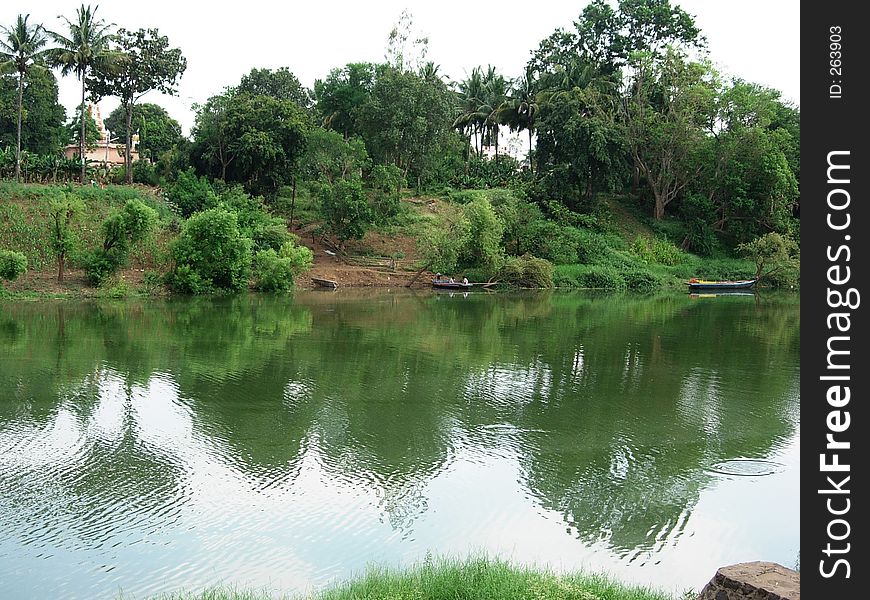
(12, 265)
(211, 252)
(272, 236)
(345, 210)
(483, 247)
(145, 172)
(275, 271)
(590, 277)
(100, 265)
(527, 271)
(191, 193)
(386, 181)
(657, 252)
(638, 280)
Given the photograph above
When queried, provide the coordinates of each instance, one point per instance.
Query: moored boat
(703, 284)
(451, 285)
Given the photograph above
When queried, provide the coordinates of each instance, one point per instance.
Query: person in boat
(438, 277)
(465, 281)
(452, 280)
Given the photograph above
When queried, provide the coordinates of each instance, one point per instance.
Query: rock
(753, 581)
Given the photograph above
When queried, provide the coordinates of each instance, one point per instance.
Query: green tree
(406, 121)
(43, 117)
(342, 94)
(211, 252)
(147, 64)
(86, 47)
(280, 84)
(777, 257)
(483, 247)
(158, 132)
(21, 47)
(252, 140)
(668, 104)
(123, 228)
(65, 210)
(12, 265)
(345, 210)
(521, 106)
(330, 157)
(76, 125)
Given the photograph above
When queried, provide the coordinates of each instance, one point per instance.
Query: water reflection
(287, 442)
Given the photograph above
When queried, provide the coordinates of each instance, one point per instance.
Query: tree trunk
(61, 259)
(128, 154)
(496, 143)
(531, 166)
(82, 134)
(659, 212)
(18, 147)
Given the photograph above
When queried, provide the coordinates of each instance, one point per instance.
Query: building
(107, 150)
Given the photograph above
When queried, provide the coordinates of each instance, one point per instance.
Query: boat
(326, 283)
(450, 285)
(703, 284)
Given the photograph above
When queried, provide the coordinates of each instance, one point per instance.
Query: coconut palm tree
(86, 47)
(21, 49)
(522, 106)
(470, 118)
(495, 96)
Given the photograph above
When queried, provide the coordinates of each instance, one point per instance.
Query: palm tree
(470, 117)
(19, 51)
(86, 47)
(495, 96)
(522, 106)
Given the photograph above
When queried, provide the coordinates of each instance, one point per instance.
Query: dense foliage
(623, 104)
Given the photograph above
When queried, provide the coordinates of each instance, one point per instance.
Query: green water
(288, 443)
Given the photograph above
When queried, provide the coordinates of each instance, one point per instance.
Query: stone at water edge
(753, 581)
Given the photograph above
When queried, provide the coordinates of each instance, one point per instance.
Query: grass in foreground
(471, 579)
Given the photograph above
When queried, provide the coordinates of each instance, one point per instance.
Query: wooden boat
(326, 283)
(703, 284)
(447, 285)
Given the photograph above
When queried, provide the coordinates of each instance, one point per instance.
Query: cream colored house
(106, 151)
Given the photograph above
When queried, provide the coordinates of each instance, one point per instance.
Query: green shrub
(215, 251)
(386, 181)
(638, 280)
(589, 277)
(12, 265)
(271, 236)
(100, 265)
(483, 246)
(191, 193)
(527, 271)
(466, 196)
(145, 172)
(657, 251)
(345, 209)
(275, 271)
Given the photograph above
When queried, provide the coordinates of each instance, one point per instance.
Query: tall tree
(522, 106)
(42, 130)
(666, 108)
(340, 96)
(21, 49)
(280, 83)
(147, 64)
(158, 132)
(253, 140)
(86, 47)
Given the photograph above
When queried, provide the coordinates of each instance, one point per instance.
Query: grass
(450, 579)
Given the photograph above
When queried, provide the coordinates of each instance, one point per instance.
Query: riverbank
(616, 249)
(475, 578)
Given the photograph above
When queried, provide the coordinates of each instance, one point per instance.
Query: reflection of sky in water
(300, 526)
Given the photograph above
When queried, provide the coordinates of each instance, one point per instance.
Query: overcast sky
(757, 40)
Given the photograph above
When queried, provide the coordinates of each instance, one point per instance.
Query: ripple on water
(746, 467)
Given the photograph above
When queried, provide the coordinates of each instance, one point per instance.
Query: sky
(757, 40)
